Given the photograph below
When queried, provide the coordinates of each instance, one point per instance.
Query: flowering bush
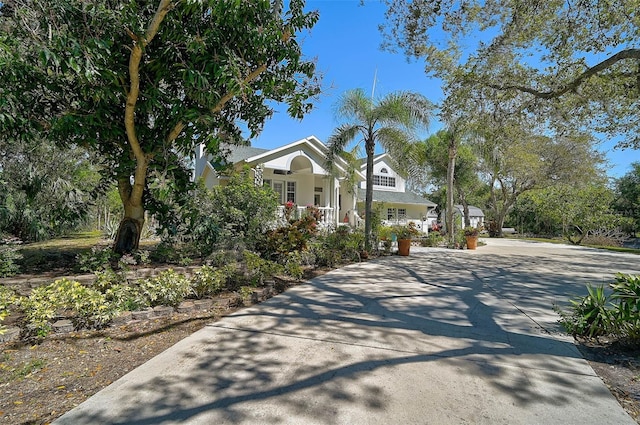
(289, 208)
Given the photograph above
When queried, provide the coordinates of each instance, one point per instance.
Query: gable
(308, 154)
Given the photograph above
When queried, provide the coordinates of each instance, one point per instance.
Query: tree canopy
(143, 82)
(574, 63)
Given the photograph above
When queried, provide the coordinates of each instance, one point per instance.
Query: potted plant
(385, 237)
(404, 235)
(471, 235)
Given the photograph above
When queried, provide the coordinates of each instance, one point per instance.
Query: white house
(296, 172)
(399, 206)
(476, 216)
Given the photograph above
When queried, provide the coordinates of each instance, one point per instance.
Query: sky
(346, 46)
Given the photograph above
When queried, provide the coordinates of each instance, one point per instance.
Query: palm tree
(389, 121)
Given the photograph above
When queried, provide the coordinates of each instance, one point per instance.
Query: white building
(298, 174)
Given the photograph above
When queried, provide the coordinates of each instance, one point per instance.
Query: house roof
(240, 153)
(363, 161)
(396, 197)
(473, 211)
(250, 154)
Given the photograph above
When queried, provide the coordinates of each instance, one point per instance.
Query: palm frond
(337, 143)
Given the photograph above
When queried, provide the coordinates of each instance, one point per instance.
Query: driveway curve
(439, 337)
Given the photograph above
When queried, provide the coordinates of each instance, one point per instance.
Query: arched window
(384, 171)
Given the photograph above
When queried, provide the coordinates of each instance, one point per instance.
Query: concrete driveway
(439, 337)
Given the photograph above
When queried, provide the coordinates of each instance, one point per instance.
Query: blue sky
(346, 44)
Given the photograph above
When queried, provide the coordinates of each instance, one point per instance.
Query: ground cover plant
(612, 311)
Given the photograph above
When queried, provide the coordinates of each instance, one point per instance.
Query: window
(402, 214)
(384, 171)
(391, 213)
(316, 199)
(278, 187)
(291, 192)
(266, 183)
(385, 181)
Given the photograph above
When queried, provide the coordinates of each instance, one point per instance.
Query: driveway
(439, 337)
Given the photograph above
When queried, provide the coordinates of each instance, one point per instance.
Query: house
(476, 216)
(296, 172)
(398, 205)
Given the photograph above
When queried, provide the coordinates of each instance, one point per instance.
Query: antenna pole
(373, 89)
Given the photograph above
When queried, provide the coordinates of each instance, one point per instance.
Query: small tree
(389, 122)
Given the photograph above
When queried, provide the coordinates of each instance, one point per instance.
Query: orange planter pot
(472, 242)
(403, 246)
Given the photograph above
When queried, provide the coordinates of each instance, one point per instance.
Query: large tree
(143, 82)
(575, 62)
(433, 159)
(627, 195)
(578, 211)
(389, 122)
(513, 161)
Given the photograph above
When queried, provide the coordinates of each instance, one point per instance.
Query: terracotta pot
(472, 242)
(403, 246)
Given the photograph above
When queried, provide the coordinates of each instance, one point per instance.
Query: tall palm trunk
(451, 167)
(368, 201)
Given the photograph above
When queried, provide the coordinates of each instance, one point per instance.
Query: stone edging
(231, 300)
(25, 283)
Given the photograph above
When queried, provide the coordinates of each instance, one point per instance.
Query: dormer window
(385, 181)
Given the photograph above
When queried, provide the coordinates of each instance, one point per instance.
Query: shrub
(107, 278)
(344, 243)
(293, 265)
(257, 268)
(589, 315)
(293, 237)
(434, 239)
(125, 297)
(99, 258)
(626, 298)
(168, 288)
(8, 258)
(596, 314)
(222, 257)
(325, 257)
(7, 299)
(210, 281)
(87, 307)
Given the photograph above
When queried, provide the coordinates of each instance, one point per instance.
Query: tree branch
(228, 96)
(134, 92)
(588, 73)
(177, 129)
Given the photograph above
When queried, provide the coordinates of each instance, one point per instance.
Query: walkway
(440, 337)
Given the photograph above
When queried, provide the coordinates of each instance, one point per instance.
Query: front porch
(327, 215)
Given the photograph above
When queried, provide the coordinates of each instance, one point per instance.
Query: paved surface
(440, 337)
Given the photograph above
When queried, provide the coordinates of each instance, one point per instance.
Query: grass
(55, 253)
(564, 242)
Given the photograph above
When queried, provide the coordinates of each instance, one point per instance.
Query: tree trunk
(368, 201)
(465, 212)
(128, 235)
(451, 167)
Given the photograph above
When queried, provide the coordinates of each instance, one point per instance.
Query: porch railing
(327, 214)
(422, 226)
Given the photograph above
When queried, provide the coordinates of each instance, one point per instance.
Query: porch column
(336, 203)
(354, 205)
